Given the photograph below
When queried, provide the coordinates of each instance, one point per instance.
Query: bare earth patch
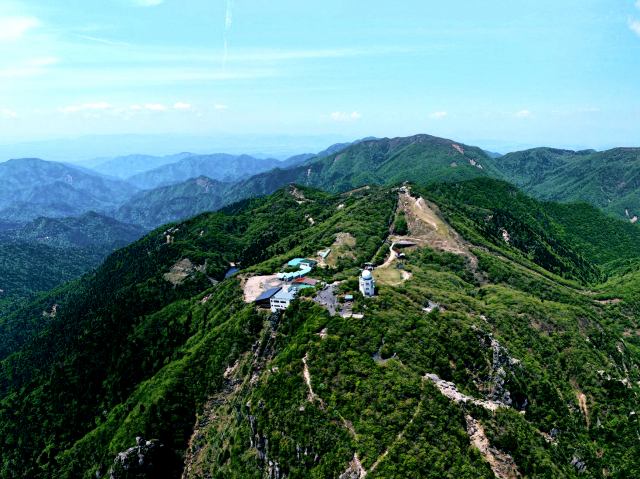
(582, 402)
(426, 229)
(450, 390)
(256, 285)
(181, 271)
(502, 464)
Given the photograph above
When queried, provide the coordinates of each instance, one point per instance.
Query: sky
(502, 74)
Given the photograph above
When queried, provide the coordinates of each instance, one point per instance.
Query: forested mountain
(421, 158)
(220, 167)
(91, 230)
(603, 179)
(470, 361)
(125, 166)
(608, 179)
(48, 252)
(166, 204)
(32, 188)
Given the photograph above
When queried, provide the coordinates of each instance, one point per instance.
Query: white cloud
(14, 28)
(341, 116)
(182, 106)
(155, 107)
(523, 114)
(148, 3)
(638, 4)
(221, 107)
(97, 106)
(438, 115)
(8, 114)
(634, 25)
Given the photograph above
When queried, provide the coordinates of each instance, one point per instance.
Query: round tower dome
(366, 274)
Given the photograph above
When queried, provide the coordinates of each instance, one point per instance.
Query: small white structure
(367, 283)
(282, 299)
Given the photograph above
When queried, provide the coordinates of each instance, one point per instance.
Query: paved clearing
(327, 298)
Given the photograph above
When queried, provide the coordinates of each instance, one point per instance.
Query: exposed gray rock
(147, 459)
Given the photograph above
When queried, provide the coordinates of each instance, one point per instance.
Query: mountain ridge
(474, 335)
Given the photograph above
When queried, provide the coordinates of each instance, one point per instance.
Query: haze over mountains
(157, 190)
(136, 193)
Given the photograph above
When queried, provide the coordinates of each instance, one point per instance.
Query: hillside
(220, 167)
(32, 188)
(91, 230)
(607, 179)
(166, 204)
(126, 166)
(421, 159)
(470, 361)
(46, 253)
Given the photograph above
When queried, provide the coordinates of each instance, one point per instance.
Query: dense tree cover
(27, 269)
(48, 252)
(606, 179)
(400, 226)
(128, 353)
(571, 240)
(124, 323)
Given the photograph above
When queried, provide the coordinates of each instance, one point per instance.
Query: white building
(367, 283)
(282, 299)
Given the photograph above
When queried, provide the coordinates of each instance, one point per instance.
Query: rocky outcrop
(503, 365)
(355, 470)
(502, 464)
(146, 460)
(450, 390)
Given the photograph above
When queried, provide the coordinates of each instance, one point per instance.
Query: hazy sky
(499, 73)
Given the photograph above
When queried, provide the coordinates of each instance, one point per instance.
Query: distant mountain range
(32, 188)
(166, 204)
(175, 187)
(219, 167)
(608, 179)
(126, 166)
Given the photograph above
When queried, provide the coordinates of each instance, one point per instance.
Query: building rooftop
(296, 274)
(309, 281)
(268, 294)
(296, 262)
(286, 294)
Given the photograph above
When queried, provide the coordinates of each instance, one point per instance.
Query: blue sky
(501, 74)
